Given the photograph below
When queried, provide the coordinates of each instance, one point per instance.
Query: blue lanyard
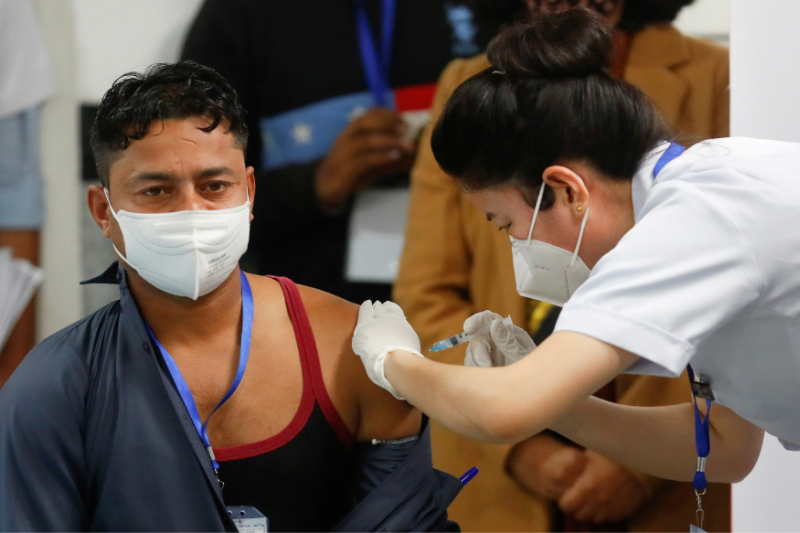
(701, 426)
(377, 63)
(702, 436)
(244, 353)
(671, 153)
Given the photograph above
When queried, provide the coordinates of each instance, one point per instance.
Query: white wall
(91, 43)
(117, 36)
(706, 18)
(765, 74)
(60, 296)
(764, 69)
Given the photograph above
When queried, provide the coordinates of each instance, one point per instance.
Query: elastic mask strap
(536, 211)
(580, 237)
(105, 191)
(125, 259)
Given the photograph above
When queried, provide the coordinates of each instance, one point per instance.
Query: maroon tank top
(301, 477)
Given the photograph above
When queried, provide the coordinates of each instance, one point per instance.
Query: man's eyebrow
(153, 176)
(156, 175)
(215, 171)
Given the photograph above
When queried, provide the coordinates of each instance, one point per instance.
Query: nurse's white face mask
(545, 272)
(184, 253)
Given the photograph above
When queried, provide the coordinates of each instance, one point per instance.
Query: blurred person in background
(330, 89)
(453, 258)
(26, 81)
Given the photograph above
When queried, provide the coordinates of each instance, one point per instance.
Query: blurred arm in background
(26, 81)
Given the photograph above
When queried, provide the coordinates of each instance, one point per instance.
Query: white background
(706, 18)
(117, 36)
(765, 75)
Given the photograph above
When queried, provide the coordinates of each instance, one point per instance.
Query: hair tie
(500, 72)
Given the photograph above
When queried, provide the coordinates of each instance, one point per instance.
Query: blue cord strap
(702, 432)
(671, 153)
(702, 428)
(376, 62)
(183, 388)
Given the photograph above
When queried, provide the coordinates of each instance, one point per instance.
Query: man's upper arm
(42, 461)
(369, 411)
(383, 417)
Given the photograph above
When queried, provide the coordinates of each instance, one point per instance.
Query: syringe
(461, 338)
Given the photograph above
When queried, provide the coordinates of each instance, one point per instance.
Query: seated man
(203, 387)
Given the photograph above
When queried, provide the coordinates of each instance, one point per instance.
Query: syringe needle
(461, 338)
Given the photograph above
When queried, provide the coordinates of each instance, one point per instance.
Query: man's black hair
(163, 91)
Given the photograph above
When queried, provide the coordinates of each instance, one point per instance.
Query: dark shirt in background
(297, 69)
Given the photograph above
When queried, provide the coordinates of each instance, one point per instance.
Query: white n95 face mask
(545, 272)
(184, 253)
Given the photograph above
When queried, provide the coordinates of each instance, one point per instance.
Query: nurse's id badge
(248, 519)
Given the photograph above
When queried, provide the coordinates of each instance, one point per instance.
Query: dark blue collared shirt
(94, 436)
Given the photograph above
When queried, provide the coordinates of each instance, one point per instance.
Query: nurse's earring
(580, 208)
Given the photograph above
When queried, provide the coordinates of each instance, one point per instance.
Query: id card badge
(694, 529)
(248, 519)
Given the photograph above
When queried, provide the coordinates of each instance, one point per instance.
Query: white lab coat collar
(643, 179)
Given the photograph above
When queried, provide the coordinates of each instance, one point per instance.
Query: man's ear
(99, 208)
(251, 188)
(568, 187)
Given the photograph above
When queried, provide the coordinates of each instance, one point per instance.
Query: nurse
(661, 257)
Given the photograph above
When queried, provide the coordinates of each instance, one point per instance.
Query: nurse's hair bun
(547, 99)
(573, 43)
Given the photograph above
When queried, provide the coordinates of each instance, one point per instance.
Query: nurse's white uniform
(710, 274)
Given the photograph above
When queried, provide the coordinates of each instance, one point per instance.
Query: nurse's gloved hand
(503, 345)
(382, 328)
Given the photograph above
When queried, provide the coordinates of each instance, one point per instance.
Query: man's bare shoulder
(380, 415)
(334, 317)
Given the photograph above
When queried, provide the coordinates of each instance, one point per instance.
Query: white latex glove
(382, 328)
(504, 345)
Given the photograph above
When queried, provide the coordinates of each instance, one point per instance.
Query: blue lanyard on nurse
(702, 432)
(699, 389)
(183, 388)
(377, 62)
